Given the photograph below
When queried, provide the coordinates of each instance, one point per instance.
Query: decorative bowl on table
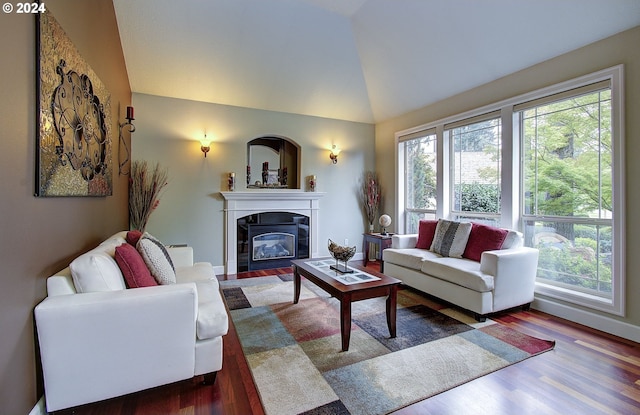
(341, 254)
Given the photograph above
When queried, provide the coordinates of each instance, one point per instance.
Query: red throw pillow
(135, 271)
(133, 237)
(426, 231)
(483, 238)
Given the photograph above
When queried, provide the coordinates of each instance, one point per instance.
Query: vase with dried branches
(370, 196)
(145, 185)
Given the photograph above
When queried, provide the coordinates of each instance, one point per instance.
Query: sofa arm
(404, 241)
(514, 272)
(99, 345)
(181, 256)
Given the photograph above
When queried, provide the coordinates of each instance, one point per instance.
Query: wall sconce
(334, 154)
(123, 145)
(205, 145)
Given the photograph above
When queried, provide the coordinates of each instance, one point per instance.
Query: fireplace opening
(271, 240)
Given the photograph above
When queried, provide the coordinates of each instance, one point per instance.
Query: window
(567, 182)
(476, 160)
(419, 154)
(548, 163)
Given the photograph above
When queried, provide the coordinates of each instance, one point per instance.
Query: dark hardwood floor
(588, 372)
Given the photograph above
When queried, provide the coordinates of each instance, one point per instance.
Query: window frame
(485, 217)
(403, 218)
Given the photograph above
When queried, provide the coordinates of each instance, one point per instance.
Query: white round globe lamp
(384, 221)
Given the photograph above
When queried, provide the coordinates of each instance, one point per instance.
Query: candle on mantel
(130, 113)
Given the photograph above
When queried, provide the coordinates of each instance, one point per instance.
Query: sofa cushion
(135, 271)
(426, 231)
(157, 258)
(483, 238)
(460, 271)
(97, 270)
(407, 257)
(450, 238)
(200, 271)
(110, 244)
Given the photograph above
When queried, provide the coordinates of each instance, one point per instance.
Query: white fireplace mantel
(239, 204)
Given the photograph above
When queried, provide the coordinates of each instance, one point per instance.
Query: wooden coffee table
(346, 294)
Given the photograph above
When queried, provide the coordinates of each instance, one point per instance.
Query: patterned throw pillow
(451, 238)
(157, 258)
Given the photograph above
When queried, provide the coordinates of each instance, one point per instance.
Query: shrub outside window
(476, 165)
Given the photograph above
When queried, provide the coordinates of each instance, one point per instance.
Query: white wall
(191, 208)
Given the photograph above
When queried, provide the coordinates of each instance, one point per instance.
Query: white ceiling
(357, 60)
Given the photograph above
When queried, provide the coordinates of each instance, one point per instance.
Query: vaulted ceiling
(357, 60)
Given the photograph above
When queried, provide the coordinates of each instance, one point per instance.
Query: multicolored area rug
(294, 350)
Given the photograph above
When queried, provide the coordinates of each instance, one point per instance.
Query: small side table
(382, 241)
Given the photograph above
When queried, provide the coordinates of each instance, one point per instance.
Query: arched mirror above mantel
(273, 162)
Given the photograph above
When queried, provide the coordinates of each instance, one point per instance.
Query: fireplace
(268, 203)
(271, 240)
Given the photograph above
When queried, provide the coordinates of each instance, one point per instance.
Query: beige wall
(619, 49)
(191, 208)
(39, 235)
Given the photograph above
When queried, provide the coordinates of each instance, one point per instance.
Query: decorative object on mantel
(370, 196)
(312, 183)
(334, 154)
(341, 254)
(270, 178)
(384, 221)
(265, 172)
(232, 181)
(73, 109)
(145, 186)
(124, 168)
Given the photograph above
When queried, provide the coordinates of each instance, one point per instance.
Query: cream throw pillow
(157, 258)
(451, 238)
(97, 270)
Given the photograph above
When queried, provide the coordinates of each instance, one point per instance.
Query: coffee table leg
(392, 300)
(345, 322)
(296, 285)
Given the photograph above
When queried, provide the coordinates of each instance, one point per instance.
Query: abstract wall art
(73, 151)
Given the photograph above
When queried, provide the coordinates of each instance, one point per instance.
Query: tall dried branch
(145, 186)
(370, 195)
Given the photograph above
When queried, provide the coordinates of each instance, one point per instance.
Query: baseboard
(218, 269)
(586, 318)
(40, 408)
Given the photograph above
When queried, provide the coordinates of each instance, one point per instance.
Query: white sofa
(502, 279)
(114, 341)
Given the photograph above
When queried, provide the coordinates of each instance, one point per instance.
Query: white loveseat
(502, 279)
(112, 341)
